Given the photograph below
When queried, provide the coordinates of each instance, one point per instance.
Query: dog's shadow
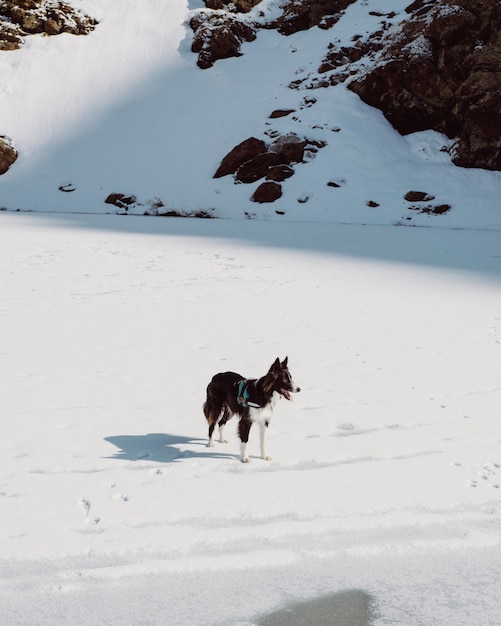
(160, 448)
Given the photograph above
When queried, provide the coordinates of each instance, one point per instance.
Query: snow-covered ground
(386, 467)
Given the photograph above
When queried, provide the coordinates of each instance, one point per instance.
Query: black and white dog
(230, 394)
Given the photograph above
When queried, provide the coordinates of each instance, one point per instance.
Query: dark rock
(418, 196)
(279, 173)
(267, 192)
(8, 154)
(10, 36)
(241, 6)
(120, 200)
(440, 71)
(304, 14)
(45, 16)
(280, 113)
(372, 204)
(242, 153)
(289, 148)
(218, 35)
(257, 167)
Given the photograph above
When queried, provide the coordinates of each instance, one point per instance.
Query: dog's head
(279, 379)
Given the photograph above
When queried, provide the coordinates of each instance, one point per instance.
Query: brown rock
(218, 35)
(242, 153)
(8, 155)
(242, 6)
(290, 148)
(279, 173)
(304, 14)
(257, 167)
(418, 196)
(440, 71)
(267, 192)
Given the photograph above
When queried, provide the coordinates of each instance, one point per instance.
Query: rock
(10, 36)
(120, 200)
(218, 35)
(241, 6)
(8, 154)
(418, 196)
(240, 154)
(304, 14)
(290, 148)
(267, 192)
(280, 172)
(280, 113)
(257, 167)
(45, 16)
(440, 71)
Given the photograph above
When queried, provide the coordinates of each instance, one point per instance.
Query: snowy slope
(126, 110)
(386, 468)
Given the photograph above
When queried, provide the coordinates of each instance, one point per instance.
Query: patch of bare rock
(440, 70)
(254, 159)
(8, 154)
(221, 28)
(20, 18)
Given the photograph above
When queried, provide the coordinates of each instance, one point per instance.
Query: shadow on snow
(160, 448)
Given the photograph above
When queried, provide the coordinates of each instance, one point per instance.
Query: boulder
(289, 148)
(303, 14)
(240, 154)
(279, 173)
(267, 192)
(45, 16)
(240, 6)
(257, 167)
(218, 35)
(8, 154)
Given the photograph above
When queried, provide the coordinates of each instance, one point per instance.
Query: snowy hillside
(125, 110)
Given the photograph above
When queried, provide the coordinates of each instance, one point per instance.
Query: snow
(126, 110)
(386, 470)
(382, 502)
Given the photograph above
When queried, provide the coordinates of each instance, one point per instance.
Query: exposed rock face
(8, 154)
(218, 35)
(219, 32)
(304, 14)
(27, 17)
(441, 71)
(241, 6)
(253, 160)
(240, 154)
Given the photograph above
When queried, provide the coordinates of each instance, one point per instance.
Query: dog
(230, 394)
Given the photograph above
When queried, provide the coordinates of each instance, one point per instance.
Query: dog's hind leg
(222, 422)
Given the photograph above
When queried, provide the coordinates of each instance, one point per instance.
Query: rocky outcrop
(303, 14)
(254, 159)
(218, 35)
(240, 6)
(8, 154)
(441, 70)
(219, 31)
(26, 17)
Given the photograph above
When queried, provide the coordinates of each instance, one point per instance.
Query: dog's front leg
(244, 426)
(263, 431)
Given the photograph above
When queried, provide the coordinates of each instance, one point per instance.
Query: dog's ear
(284, 362)
(276, 364)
